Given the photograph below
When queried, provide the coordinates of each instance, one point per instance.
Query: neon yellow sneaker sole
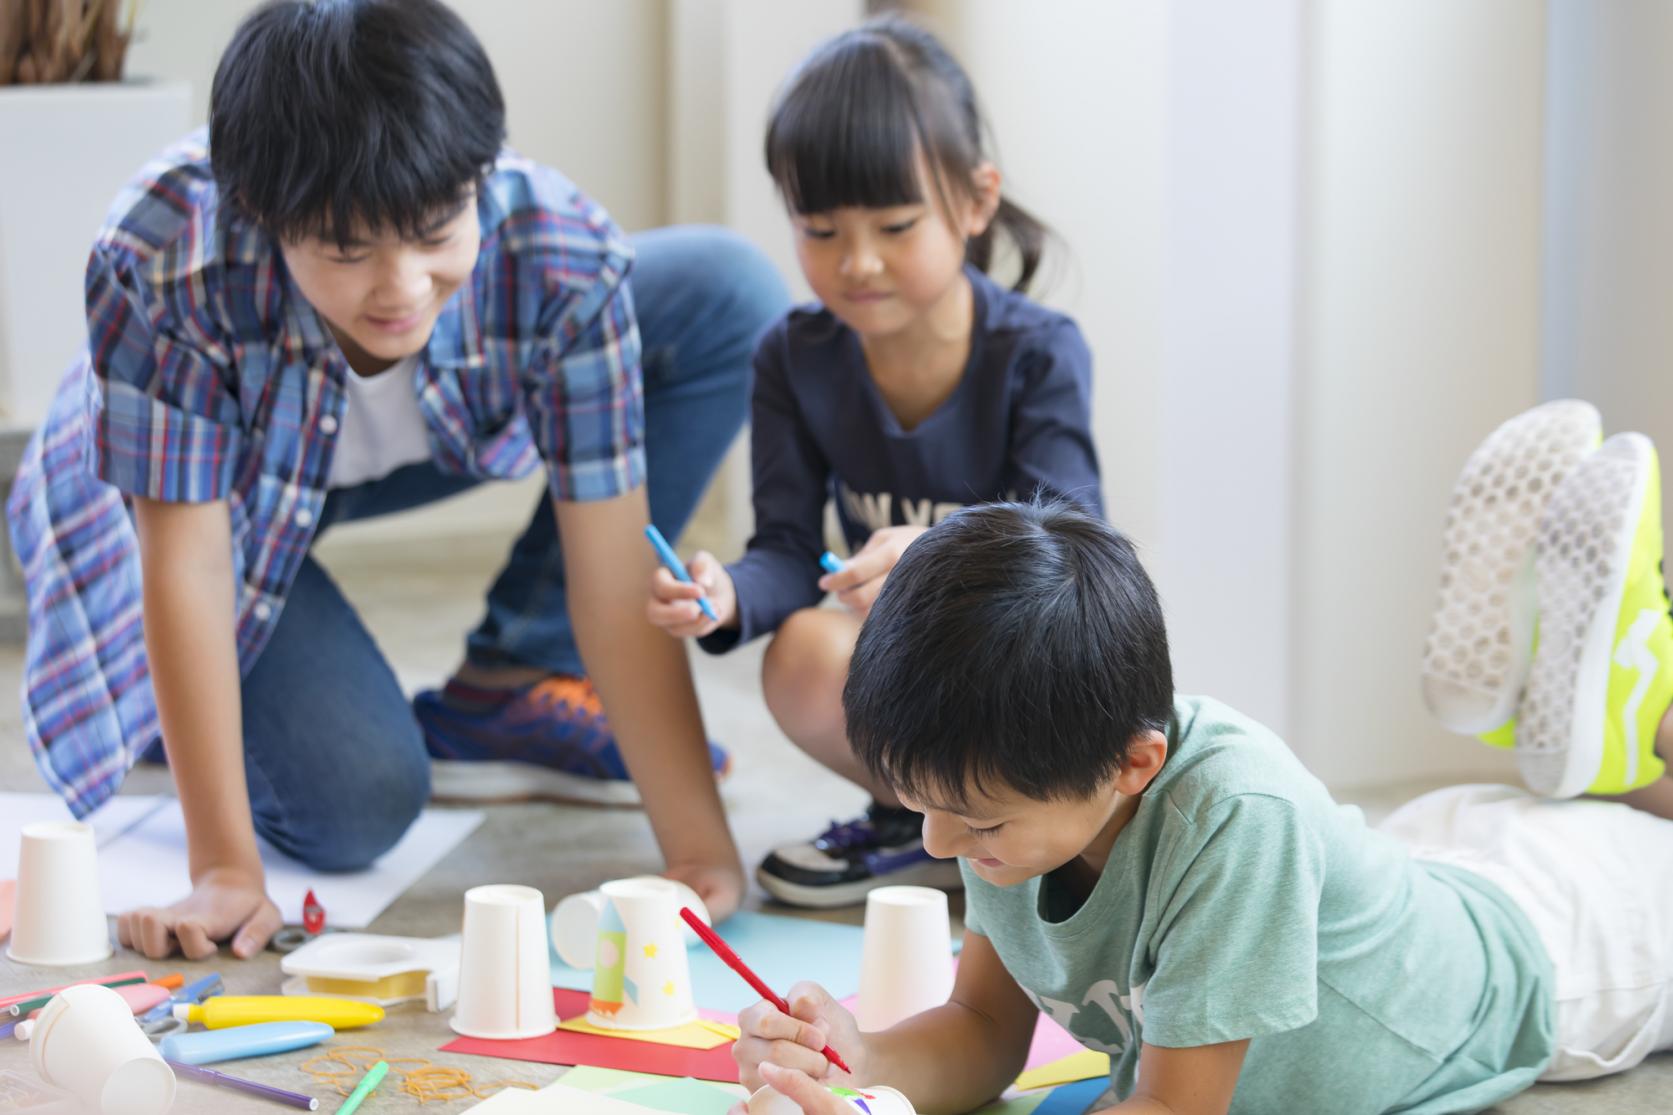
(1481, 638)
(1603, 674)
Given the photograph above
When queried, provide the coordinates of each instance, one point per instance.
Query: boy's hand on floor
(720, 886)
(857, 586)
(673, 603)
(793, 1041)
(224, 903)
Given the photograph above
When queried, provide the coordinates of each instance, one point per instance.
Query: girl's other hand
(857, 586)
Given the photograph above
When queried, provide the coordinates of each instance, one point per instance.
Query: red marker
(313, 915)
(722, 950)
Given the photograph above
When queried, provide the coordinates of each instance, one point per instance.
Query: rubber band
(339, 1069)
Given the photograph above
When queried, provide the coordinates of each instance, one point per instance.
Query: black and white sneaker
(850, 859)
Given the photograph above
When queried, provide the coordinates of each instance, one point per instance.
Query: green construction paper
(682, 1097)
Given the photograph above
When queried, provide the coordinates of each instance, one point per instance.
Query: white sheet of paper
(116, 816)
(142, 858)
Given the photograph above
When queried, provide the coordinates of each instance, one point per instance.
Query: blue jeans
(335, 760)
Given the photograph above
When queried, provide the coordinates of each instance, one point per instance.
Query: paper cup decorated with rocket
(575, 922)
(641, 975)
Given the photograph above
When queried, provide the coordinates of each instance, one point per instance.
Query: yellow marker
(247, 1010)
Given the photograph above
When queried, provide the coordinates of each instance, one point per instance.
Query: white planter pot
(66, 151)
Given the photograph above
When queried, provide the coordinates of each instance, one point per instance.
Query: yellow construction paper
(1084, 1065)
(693, 1035)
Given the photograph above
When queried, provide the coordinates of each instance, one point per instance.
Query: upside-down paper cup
(58, 918)
(906, 958)
(505, 973)
(87, 1041)
(641, 974)
(575, 921)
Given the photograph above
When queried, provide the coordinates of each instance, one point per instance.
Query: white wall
(1226, 547)
(1076, 92)
(1609, 220)
(584, 82)
(1306, 254)
(1419, 332)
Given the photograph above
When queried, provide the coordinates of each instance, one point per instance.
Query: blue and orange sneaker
(548, 742)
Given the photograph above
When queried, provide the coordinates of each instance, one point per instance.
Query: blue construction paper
(1073, 1099)
(782, 951)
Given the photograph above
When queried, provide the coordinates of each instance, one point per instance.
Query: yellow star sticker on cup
(668, 988)
(650, 952)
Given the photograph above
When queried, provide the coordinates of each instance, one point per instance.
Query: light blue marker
(669, 558)
(830, 563)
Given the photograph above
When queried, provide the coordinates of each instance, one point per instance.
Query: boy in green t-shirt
(1164, 878)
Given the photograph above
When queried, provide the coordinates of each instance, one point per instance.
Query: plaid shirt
(207, 376)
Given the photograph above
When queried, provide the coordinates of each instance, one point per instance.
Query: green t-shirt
(1242, 902)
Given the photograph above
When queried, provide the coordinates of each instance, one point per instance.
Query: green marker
(373, 1077)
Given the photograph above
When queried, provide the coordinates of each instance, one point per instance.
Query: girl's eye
(974, 831)
(436, 241)
(818, 233)
(900, 226)
(347, 260)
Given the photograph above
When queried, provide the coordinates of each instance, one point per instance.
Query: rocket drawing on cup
(641, 980)
(611, 987)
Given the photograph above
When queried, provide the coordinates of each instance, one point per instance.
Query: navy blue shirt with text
(1017, 424)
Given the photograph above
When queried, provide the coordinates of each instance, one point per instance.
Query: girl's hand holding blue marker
(673, 604)
(860, 581)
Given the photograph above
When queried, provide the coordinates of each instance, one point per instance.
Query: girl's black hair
(848, 126)
(325, 113)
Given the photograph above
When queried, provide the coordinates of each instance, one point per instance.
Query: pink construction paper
(8, 892)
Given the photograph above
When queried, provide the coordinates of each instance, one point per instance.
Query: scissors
(159, 1022)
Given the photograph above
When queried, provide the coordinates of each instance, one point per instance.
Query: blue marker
(669, 558)
(195, 992)
(830, 563)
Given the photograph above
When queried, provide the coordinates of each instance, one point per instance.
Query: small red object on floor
(313, 915)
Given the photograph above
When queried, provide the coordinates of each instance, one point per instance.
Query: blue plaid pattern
(207, 376)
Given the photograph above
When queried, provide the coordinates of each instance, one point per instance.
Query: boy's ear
(1145, 756)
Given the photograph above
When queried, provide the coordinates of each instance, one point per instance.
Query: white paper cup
(87, 1042)
(641, 974)
(575, 922)
(59, 918)
(870, 1101)
(505, 974)
(906, 960)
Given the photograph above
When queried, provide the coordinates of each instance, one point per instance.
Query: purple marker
(225, 1080)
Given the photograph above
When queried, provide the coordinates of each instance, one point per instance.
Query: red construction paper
(563, 1047)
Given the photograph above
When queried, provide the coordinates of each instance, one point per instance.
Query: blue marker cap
(665, 553)
(830, 563)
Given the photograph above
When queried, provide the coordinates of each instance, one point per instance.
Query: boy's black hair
(328, 114)
(848, 127)
(1015, 646)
